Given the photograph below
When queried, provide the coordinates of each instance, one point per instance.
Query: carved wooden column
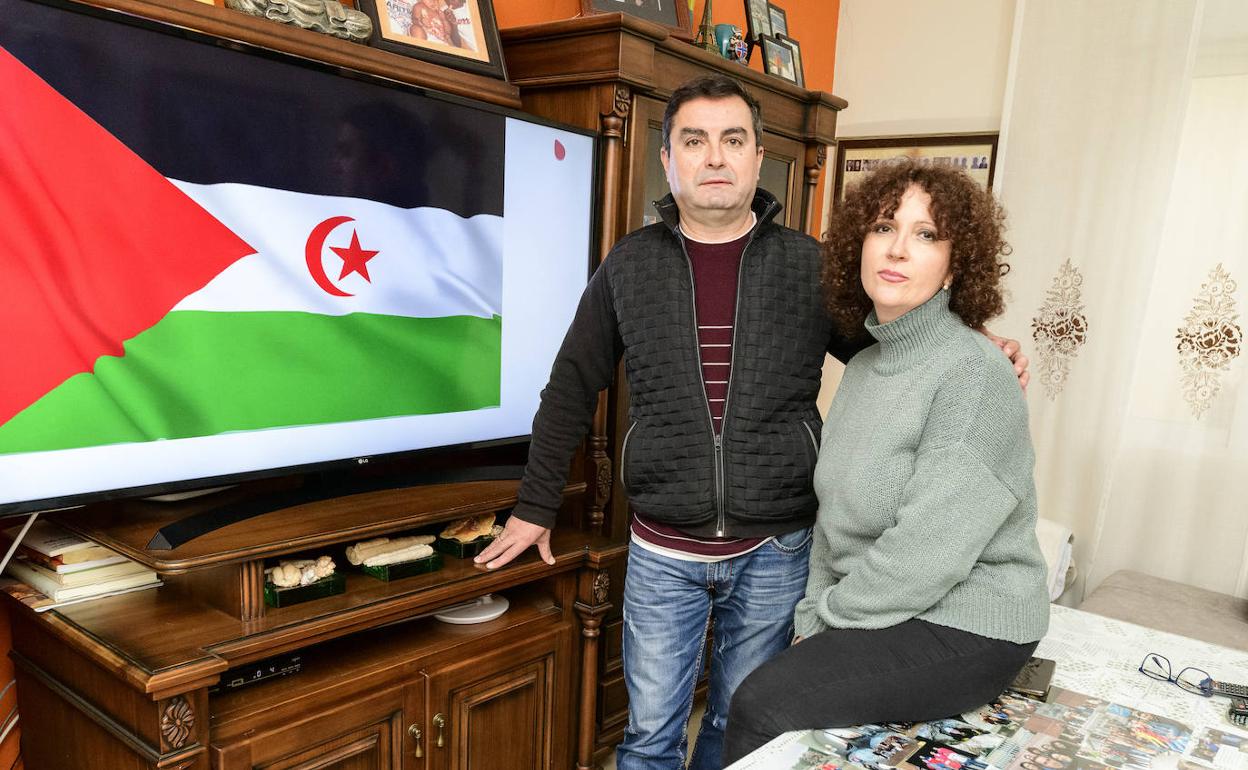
(591, 605)
(816, 155)
(615, 106)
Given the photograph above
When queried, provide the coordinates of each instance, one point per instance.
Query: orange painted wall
(811, 22)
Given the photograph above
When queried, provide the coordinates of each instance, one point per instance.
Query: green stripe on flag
(198, 373)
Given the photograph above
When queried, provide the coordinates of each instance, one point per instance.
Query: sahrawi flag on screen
(138, 308)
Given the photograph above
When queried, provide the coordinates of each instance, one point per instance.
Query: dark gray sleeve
(584, 366)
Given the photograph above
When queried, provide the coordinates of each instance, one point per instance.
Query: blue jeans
(668, 606)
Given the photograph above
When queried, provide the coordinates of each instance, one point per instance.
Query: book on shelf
(40, 602)
(60, 593)
(57, 564)
(52, 541)
(82, 577)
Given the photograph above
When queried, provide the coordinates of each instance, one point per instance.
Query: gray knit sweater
(927, 506)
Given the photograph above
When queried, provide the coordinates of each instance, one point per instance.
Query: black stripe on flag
(207, 114)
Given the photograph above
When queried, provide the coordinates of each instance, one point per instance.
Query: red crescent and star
(354, 257)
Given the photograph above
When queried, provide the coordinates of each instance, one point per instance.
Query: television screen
(218, 262)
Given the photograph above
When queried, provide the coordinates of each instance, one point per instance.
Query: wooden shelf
(128, 527)
(317, 47)
(159, 629)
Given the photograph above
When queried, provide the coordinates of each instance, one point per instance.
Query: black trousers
(911, 672)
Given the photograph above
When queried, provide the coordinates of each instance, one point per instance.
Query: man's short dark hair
(711, 87)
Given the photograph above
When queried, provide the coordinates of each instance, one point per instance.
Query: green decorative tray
(330, 585)
(462, 550)
(431, 563)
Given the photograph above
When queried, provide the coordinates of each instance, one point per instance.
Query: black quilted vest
(756, 479)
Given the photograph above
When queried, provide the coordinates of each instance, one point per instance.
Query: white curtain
(1125, 175)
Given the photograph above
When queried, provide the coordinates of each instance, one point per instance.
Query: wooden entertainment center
(128, 681)
(135, 681)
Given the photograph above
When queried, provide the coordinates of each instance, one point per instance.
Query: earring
(947, 285)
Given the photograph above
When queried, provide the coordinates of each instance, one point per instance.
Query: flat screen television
(219, 263)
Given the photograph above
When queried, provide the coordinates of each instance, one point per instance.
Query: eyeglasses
(1191, 679)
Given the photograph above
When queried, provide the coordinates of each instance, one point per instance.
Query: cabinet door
(364, 734)
(497, 710)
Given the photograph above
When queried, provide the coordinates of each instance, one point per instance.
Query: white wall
(918, 67)
(921, 67)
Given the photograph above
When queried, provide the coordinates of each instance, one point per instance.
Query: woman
(926, 592)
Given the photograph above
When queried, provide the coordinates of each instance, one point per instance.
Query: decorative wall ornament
(602, 585)
(1209, 340)
(327, 16)
(1060, 329)
(177, 720)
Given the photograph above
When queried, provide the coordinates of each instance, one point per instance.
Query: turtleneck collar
(911, 338)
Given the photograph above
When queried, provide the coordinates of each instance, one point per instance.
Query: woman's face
(904, 260)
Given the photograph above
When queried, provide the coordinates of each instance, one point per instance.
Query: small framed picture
(779, 20)
(757, 21)
(855, 158)
(796, 47)
(673, 14)
(462, 34)
(780, 59)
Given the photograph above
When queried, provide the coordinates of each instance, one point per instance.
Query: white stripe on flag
(429, 263)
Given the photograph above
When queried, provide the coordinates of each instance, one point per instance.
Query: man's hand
(1014, 352)
(512, 541)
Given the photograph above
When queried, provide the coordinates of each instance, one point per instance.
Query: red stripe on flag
(96, 245)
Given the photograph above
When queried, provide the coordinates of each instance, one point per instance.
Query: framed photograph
(757, 21)
(673, 14)
(779, 20)
(456, 33)
(779, 59)
(975, 153)
(797, 58)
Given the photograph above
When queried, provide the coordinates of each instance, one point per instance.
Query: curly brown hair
(964, 213)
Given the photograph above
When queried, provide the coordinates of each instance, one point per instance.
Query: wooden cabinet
(497, 712)
(138, 678)
(613, 74)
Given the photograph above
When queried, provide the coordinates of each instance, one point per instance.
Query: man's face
(713, 165)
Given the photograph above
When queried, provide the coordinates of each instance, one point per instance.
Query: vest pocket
(813, 443)
(624, 456)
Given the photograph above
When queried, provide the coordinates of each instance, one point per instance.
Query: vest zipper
(721, 472)
(710, 418)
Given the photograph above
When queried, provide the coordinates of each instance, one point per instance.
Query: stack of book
(63, 568)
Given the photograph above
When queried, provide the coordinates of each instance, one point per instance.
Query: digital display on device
(220, 263)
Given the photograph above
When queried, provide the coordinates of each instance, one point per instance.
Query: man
(717, 312)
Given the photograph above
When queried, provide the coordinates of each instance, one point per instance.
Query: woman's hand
(1014, 352)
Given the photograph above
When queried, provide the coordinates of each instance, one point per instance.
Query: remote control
(1226, 688)
(1238, 711)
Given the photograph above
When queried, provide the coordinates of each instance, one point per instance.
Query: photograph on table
(455, 33)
